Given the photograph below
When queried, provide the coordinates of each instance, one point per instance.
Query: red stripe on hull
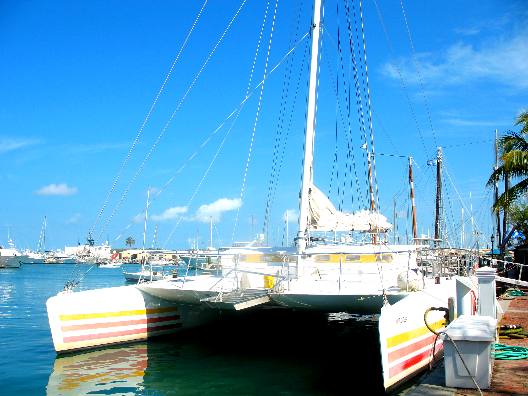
(142, 330)
(412, 361)
(411, 348)
(90, 326)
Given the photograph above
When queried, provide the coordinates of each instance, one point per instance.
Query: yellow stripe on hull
(412, 334)
(134, 312)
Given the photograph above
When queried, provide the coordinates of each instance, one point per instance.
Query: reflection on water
(107, 371)
(254, 353)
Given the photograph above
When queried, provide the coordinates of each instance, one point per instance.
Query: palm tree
(514, 150)
(130, 241)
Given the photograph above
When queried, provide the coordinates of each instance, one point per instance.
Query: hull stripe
(116, 314)
(92, 326)
(116, 334)
(409, 335)
(411, 348)
(412, 361)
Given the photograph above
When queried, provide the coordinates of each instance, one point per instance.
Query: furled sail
(325, 217)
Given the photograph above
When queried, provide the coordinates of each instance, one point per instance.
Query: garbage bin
(474, 337)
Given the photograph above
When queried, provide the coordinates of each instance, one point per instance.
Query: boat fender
(410, 280)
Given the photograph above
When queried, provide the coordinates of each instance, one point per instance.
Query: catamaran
(357, 272)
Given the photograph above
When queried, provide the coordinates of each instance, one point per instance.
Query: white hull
(116, 315)
(145, 275)
(12, 261)
(190, 290)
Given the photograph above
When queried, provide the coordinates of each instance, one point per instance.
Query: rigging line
(400, 75)
(369, 105)
(348, 124)
(158, 139)
(290, 121)
(273, 178)
(420, 79)
(394, 155)
(234, 113)
(239, 110)
(257, 115)
(350, 156)
(359, 99)
(204, 176)
(454, 187)
(471, 143)
(146, 119)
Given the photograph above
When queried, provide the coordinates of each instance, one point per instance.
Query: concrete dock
(510, 377)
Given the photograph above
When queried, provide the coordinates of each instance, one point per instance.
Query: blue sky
(78, 80)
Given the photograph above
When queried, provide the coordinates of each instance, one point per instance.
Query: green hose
(511, 292)
(510, 352)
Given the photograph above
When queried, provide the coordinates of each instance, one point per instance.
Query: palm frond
(513, 141)
(507, 198)
(522, 120)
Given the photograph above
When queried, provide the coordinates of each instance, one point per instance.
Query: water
(256, 353)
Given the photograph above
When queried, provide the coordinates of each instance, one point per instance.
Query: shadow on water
(254, 353)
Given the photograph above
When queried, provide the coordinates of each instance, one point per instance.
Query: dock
(509, 376)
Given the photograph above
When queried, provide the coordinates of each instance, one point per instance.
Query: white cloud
(74, 219)
(9, 144)
(474, 123)
(503, 61)
(292, 215)
(56, 189)
(170, 214)
(214, 210)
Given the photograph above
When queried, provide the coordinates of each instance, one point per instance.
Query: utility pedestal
(467, 351)
(487, 296)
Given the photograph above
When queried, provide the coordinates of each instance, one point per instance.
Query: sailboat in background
(11, 257)
(39, 256)
(148, 270)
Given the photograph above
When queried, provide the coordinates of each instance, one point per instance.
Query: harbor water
(266, 352)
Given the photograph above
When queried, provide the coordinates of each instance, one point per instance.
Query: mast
(438, 216)
(411, 184)
(499, 238)
(287, 231)
(371, 192)
(145, 224)
(462, 232)
(307, 176)
(211, 231)
(504, 214)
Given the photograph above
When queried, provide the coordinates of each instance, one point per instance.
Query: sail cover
(325, 217)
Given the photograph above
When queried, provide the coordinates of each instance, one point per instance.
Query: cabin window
(353, 258)
(323, 257)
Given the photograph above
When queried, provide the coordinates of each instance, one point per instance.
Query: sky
(106, 102)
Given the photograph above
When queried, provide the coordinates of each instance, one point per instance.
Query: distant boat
(10, 257)
(110, 264)
(151, 272)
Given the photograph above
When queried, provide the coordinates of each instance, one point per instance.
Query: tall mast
(438, 216)
(287, 231)
(211, 231)
(411, 184)
(462, 232)
(307, 176)
(371, 193)
(44, 234)
(499, 238)
(145, 223)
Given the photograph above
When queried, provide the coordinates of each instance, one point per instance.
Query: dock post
(487, 299)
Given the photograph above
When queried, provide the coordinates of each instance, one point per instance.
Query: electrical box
(474, 337)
